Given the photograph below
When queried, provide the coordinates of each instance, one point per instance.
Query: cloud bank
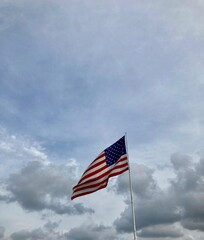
(158, 210)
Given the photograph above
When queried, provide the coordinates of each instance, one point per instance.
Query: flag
(111, 162)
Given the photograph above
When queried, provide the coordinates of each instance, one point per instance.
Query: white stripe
(104, 171)
(103, 164)
(98, 160)
(100, 180)
(118, 170)
(91, 183)
(96, 188)
(88, 190)
(96, 175)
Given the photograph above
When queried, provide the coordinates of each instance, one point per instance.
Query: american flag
(111, 162)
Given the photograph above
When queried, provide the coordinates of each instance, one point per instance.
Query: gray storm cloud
(2, 230)
(182, 202)
(74, 74)
(40, 187)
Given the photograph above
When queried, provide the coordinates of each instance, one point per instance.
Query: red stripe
(92, 165)
(102, 175)
(93, 173)
(85, 193)
(80, 186)
(99, 170)
(99, 156)
(103, 186)
(103, 172)
(115, 174)
(93, 179)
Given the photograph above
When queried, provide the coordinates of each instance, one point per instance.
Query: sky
(75, 76)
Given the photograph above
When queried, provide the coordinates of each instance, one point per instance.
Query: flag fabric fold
(111, 162)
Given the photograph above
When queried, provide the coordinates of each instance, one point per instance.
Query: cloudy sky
(74, 77)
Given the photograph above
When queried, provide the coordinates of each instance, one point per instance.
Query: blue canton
(115, 151)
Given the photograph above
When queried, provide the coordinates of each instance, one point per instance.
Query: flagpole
(131, 193)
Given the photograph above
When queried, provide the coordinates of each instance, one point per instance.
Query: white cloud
(17, 150)
(76, 75)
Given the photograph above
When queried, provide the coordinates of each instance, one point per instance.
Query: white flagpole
(131, 193)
